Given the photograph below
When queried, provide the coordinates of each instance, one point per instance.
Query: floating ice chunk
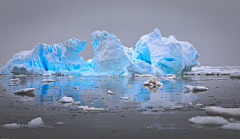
(170, 77)
(47, 74)
(12, 84)
(143, 75)
(77, 103)
(235, 75)
(25, 90)
(190, 103)
(34, 123)
(231, 126)
(223, 111)
(48, 81)
(77, 87)
(82, 107)
(81, 78)
(11, 126)
(66, 100)
(126, 98)
(70, 76)
(86, 108)
(15, 80)
(213, 120)
(152, 82)
(110, 92)
(196, 88)
(60, 123)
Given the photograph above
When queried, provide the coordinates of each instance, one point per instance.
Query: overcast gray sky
(212, 26)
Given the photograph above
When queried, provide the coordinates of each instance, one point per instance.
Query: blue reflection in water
(93, 90)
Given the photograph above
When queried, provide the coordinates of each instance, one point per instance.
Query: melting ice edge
(153, 54)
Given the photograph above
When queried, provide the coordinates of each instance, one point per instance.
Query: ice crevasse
(153, 54)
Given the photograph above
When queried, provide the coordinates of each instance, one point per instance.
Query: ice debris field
(153, 54)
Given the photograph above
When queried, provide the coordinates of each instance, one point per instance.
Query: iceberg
(168, 54)
(154, 54)
(45, 57)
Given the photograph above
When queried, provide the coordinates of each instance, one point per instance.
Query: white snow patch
(216, 120)
(223, 111)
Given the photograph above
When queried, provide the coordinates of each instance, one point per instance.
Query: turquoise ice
(153, 54)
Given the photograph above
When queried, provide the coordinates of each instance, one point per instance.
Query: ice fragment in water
(223, 111)
(11, 126)
(208, 120)
(66, 100)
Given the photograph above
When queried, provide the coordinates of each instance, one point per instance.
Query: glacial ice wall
(153, 54)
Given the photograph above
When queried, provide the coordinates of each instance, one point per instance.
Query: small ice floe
(70, 76)
(196, 88)
(58, 77)
(77, 103)
(66, 100)
(25, 90)
(77, 87)
(12, 84)
(143, 75)
(190, 103)
(235, 75)
(60, 123)
(149, 127)
(15, 80)
(169, 77)
(11, 126)
(35, 123)
(231, 126)
(47, 74)
(86, 108)
(110, 92)
(223, 111)
(48, 81)
(126, 98)
(81, 78)
(210, 120)
(152, 82)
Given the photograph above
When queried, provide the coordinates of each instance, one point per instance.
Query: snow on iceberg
(154, 55)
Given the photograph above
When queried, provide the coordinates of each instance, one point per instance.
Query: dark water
(148, 113)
